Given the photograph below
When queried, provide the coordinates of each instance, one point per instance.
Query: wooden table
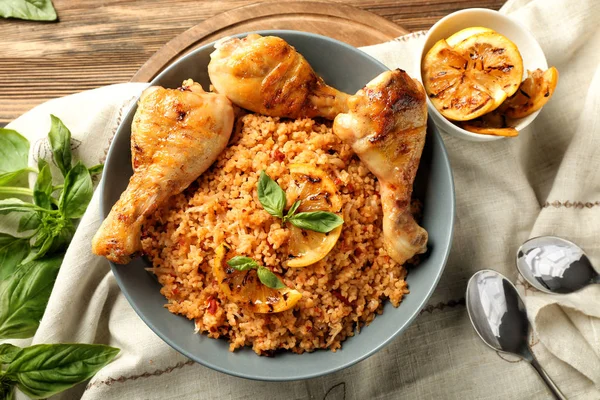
(101, 43)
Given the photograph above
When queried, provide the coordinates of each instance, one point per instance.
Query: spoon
(500, 319)
(555, 265)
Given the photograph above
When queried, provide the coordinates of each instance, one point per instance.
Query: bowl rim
(255, 375)
(446, 125)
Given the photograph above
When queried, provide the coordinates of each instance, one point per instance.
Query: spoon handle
(551, 385)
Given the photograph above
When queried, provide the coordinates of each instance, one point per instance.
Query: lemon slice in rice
(245, 289)
(317, 192)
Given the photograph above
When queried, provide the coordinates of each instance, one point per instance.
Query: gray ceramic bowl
(347, 69)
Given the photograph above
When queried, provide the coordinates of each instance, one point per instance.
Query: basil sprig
(272, 198)
(43, 370)
(29, 263)
(48, 219)
(265, 275)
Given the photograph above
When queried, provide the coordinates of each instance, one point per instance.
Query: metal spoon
(500, 319)
(555, 265)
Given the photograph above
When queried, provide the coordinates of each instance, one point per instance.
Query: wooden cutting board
(338, 21)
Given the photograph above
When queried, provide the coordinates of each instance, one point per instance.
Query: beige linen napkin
(546, 181)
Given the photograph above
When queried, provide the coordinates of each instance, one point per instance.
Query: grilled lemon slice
(533, 94)
(493, 59)
(245, 289)
(474, 76)
(452, 89)
(317, 192)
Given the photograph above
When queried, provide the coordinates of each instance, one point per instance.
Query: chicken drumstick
(386, 127)
(176, 135)
(268, 76)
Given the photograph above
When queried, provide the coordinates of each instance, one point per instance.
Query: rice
(340, 293)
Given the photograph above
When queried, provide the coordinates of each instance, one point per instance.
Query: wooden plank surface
(101, 43)
(345, 23)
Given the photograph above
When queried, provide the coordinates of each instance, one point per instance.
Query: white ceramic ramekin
(531, 52)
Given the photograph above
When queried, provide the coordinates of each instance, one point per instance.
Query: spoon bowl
(497, 312)
(555, 265)
(499, 317)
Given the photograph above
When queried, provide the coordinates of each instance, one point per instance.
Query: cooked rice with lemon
(221, 213)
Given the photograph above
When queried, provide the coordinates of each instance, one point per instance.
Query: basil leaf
(43, 187)
(16, 205)
(96, 169)
(34, 10)
(29, 221)
(318, 221)
(269, 279)
(12, 251)
(270, 195)
(8, 352)
(60, 141)
(292, 210)
(241, 263)
(14, 150)
(77, 192)
(46, 369)
(24, 296)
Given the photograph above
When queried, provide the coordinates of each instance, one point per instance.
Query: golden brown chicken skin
(268, 76)
(176, 135)
(386, 127)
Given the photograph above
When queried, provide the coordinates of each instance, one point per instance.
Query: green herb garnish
(273, 200)
(265, 275)
(270, 195)
(318, 221)
(241, 263)
(269, 279)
